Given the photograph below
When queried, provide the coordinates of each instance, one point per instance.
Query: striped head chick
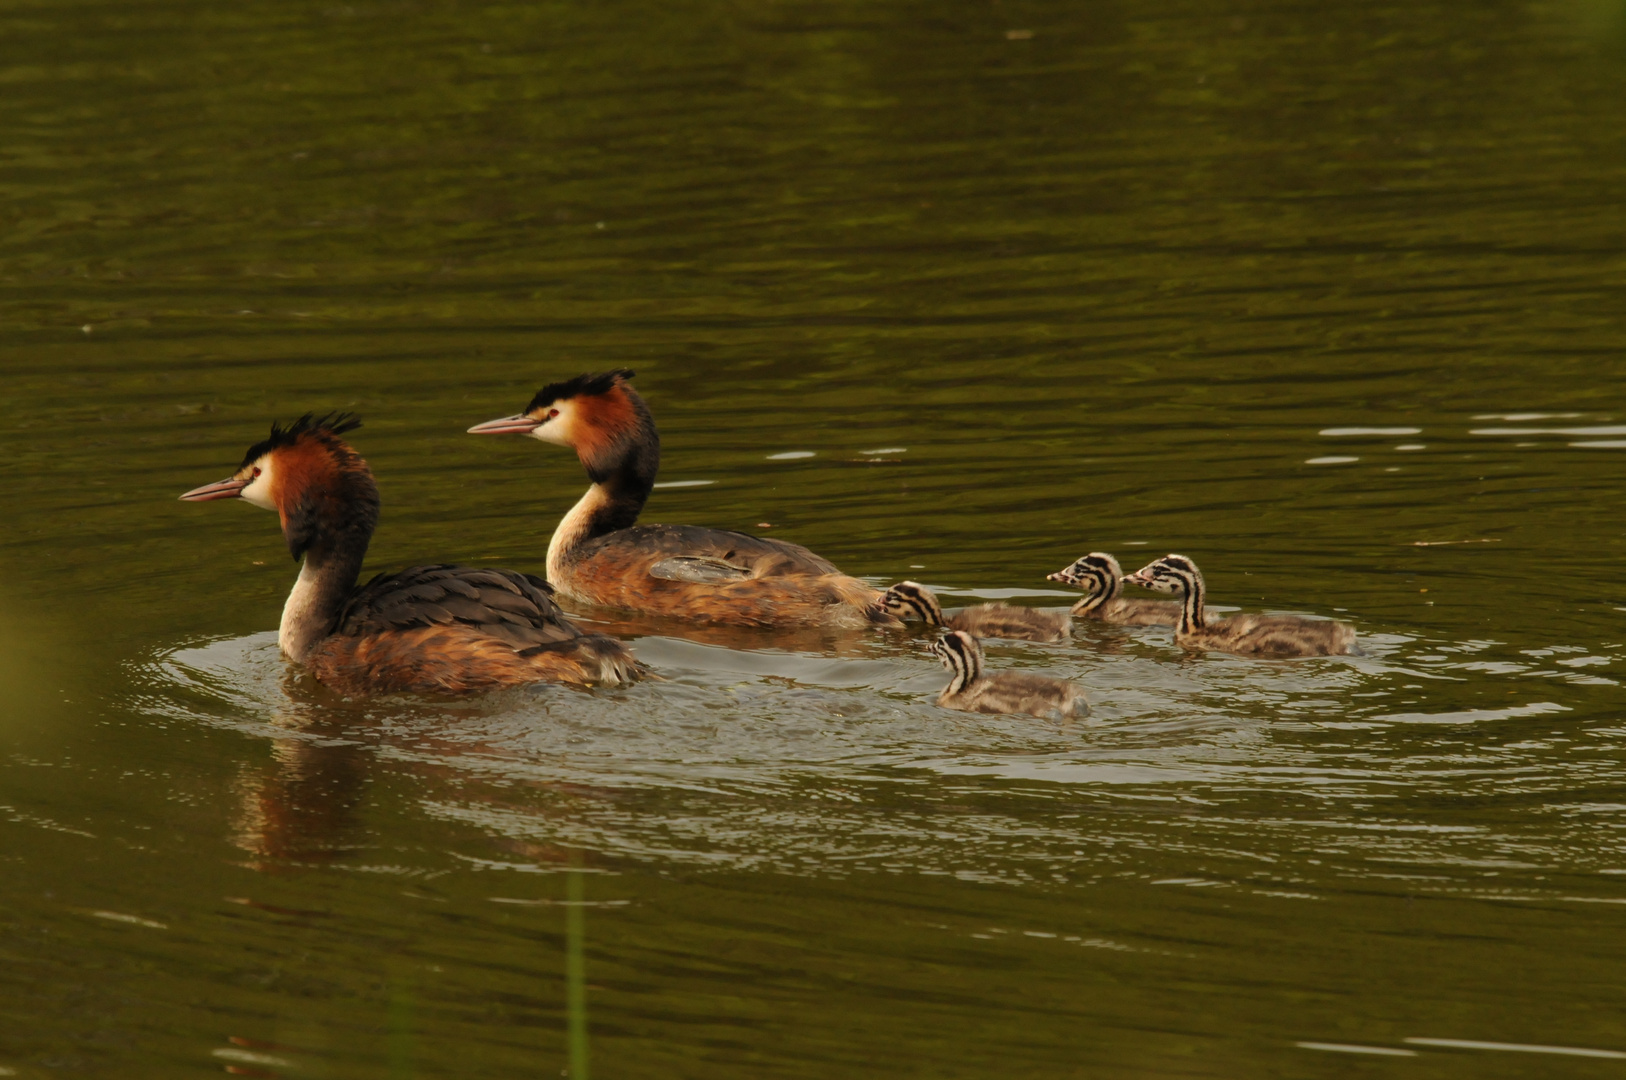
(971, 689)
(910, 599)
(1098, 574)
(962, 655)
(1178, 574)
(1274, 636)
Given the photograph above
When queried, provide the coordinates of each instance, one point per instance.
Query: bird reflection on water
(301, 809)
(738, 757)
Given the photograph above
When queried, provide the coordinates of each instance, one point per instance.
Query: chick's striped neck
(1191, 607)
(964, 662)
(1099, 588)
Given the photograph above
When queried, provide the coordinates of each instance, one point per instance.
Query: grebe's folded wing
(515, 607)
(698, 569)
(707, 556)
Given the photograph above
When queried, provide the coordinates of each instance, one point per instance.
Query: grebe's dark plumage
(972, 690)
(600, 555)
(438, 629)
(1101, 578)
(1280, 636)
(984, 620)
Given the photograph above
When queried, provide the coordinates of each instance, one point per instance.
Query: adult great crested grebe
(972, 690)
(1281, 636)
(1101, 578)
(982, 620)
(600, 555)
(434, 629)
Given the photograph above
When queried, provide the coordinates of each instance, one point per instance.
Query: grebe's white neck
(574, 529)
(312, 604)
(324, 584)
(304, 620)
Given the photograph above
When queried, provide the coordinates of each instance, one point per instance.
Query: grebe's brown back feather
(714, 575)
(516, 607)
(724, 554)
(457, 629)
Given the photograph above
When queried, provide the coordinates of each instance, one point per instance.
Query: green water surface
(1329, 296)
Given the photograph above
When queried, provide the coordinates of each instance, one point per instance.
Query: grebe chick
(1101, 578)
(1255, 635)
(971, 690)
(434, 629)
(600, 555)
(984, 620)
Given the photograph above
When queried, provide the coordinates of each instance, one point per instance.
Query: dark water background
(1094, 276)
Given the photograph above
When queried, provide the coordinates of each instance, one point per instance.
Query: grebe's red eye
(256, 472)
(552, 413)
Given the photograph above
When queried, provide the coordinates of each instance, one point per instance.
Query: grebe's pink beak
(229, 488)
(1139, 577)
(1061, 576)
(518, 424)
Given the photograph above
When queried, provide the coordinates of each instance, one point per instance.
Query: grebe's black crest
(331, 424)
(588, 385)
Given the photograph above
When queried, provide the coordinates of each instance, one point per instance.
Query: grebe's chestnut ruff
(428, 629)
(1281, 636)
(1101, 578)
(600, 555)
(971, 690)
(984, 620)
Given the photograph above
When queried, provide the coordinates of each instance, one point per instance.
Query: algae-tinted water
(1327, 297)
